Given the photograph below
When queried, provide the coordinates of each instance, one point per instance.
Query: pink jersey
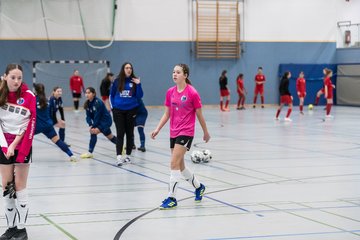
(18, 116)
(183, 107)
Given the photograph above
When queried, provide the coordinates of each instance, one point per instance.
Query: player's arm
(165, 117)
(202, 122)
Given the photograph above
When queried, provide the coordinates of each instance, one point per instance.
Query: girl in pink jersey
(182, 106)
(17, 117)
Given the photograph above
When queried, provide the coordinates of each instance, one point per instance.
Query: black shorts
(11, 160)
(182, 140)
(76, 95)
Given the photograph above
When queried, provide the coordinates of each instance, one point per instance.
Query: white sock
(10, 211)
(190, 178)
(22, 207)
(175, 176)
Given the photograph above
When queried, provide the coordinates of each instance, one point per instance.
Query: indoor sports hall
(292, 177)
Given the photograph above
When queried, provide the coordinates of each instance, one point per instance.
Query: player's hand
(135, 80)
(333, 86)
(206, 137)
(10, 151)
(154, 133)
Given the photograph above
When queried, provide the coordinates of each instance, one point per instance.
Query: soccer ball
(207, 156)
(197, 156)
(310, 107)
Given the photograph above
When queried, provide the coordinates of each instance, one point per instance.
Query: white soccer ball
(197, 156)
(207, 156)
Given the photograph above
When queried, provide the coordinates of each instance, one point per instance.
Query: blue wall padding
(314, 80)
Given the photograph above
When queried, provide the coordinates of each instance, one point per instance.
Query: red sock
(238, 103)
(288, 112)
(226, 103)
(328, 108)
(242, 101)
(278, 113)
(262, 99)
(255, 98)
(221, 105)
(301, 108)
(317, 100)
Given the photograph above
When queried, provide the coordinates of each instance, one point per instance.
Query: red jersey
(76, 84)
(260, 78)
(328, 85)
(240, 84)
(301, 85)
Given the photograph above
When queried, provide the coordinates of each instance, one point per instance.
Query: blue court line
(284, 235)
(158, 180)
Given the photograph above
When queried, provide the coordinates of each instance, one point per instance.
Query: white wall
(171, 20)
(348, 11)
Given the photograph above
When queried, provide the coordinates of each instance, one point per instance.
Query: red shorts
(286, 99)
(104, 98)
(302, 94)
(224, 92)
(259, 89)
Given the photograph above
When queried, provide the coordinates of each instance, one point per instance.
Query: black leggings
(124, 122)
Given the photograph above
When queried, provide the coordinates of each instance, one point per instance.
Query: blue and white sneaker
(168, 203)
(199, 193)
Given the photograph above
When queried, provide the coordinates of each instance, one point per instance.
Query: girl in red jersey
(328, 91)
(224, 92)
(301, 90)
(285, 96)
(259, 86)
(241, 91)
(182, 106)
(17, 117)
(320, 92)
(76, 86)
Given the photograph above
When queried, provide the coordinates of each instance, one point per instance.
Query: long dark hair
(240, 76)
(40, 92)
(285, 75)
(92, 90)
(186, 71)
(121, 77)
(4, 90)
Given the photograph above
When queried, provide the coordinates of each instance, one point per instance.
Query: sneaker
(199, 193)
(73, 159)
(254, 106)
(287, 119)
(168, 203)
(119, 160)
(127, 159)
(20, 234)
(68, 145)
(238, 108)
(9, 233)
(302, 113)
(87, 155)
(242, 108)
(277, 118)
(141, 149)
(134, 147)
(329, 116)
(262, 106)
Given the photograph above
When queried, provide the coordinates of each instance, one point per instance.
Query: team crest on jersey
(131, 85)
(20, 101)
(183, 98)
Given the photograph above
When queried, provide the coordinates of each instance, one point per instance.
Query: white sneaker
(127, 159)
(73, 159)
(87, 155)
(287, 119)
(277, 119)
(119, 160)
(329, 116)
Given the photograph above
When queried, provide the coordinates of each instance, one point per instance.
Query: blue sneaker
(168, 203)
(199, 193)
